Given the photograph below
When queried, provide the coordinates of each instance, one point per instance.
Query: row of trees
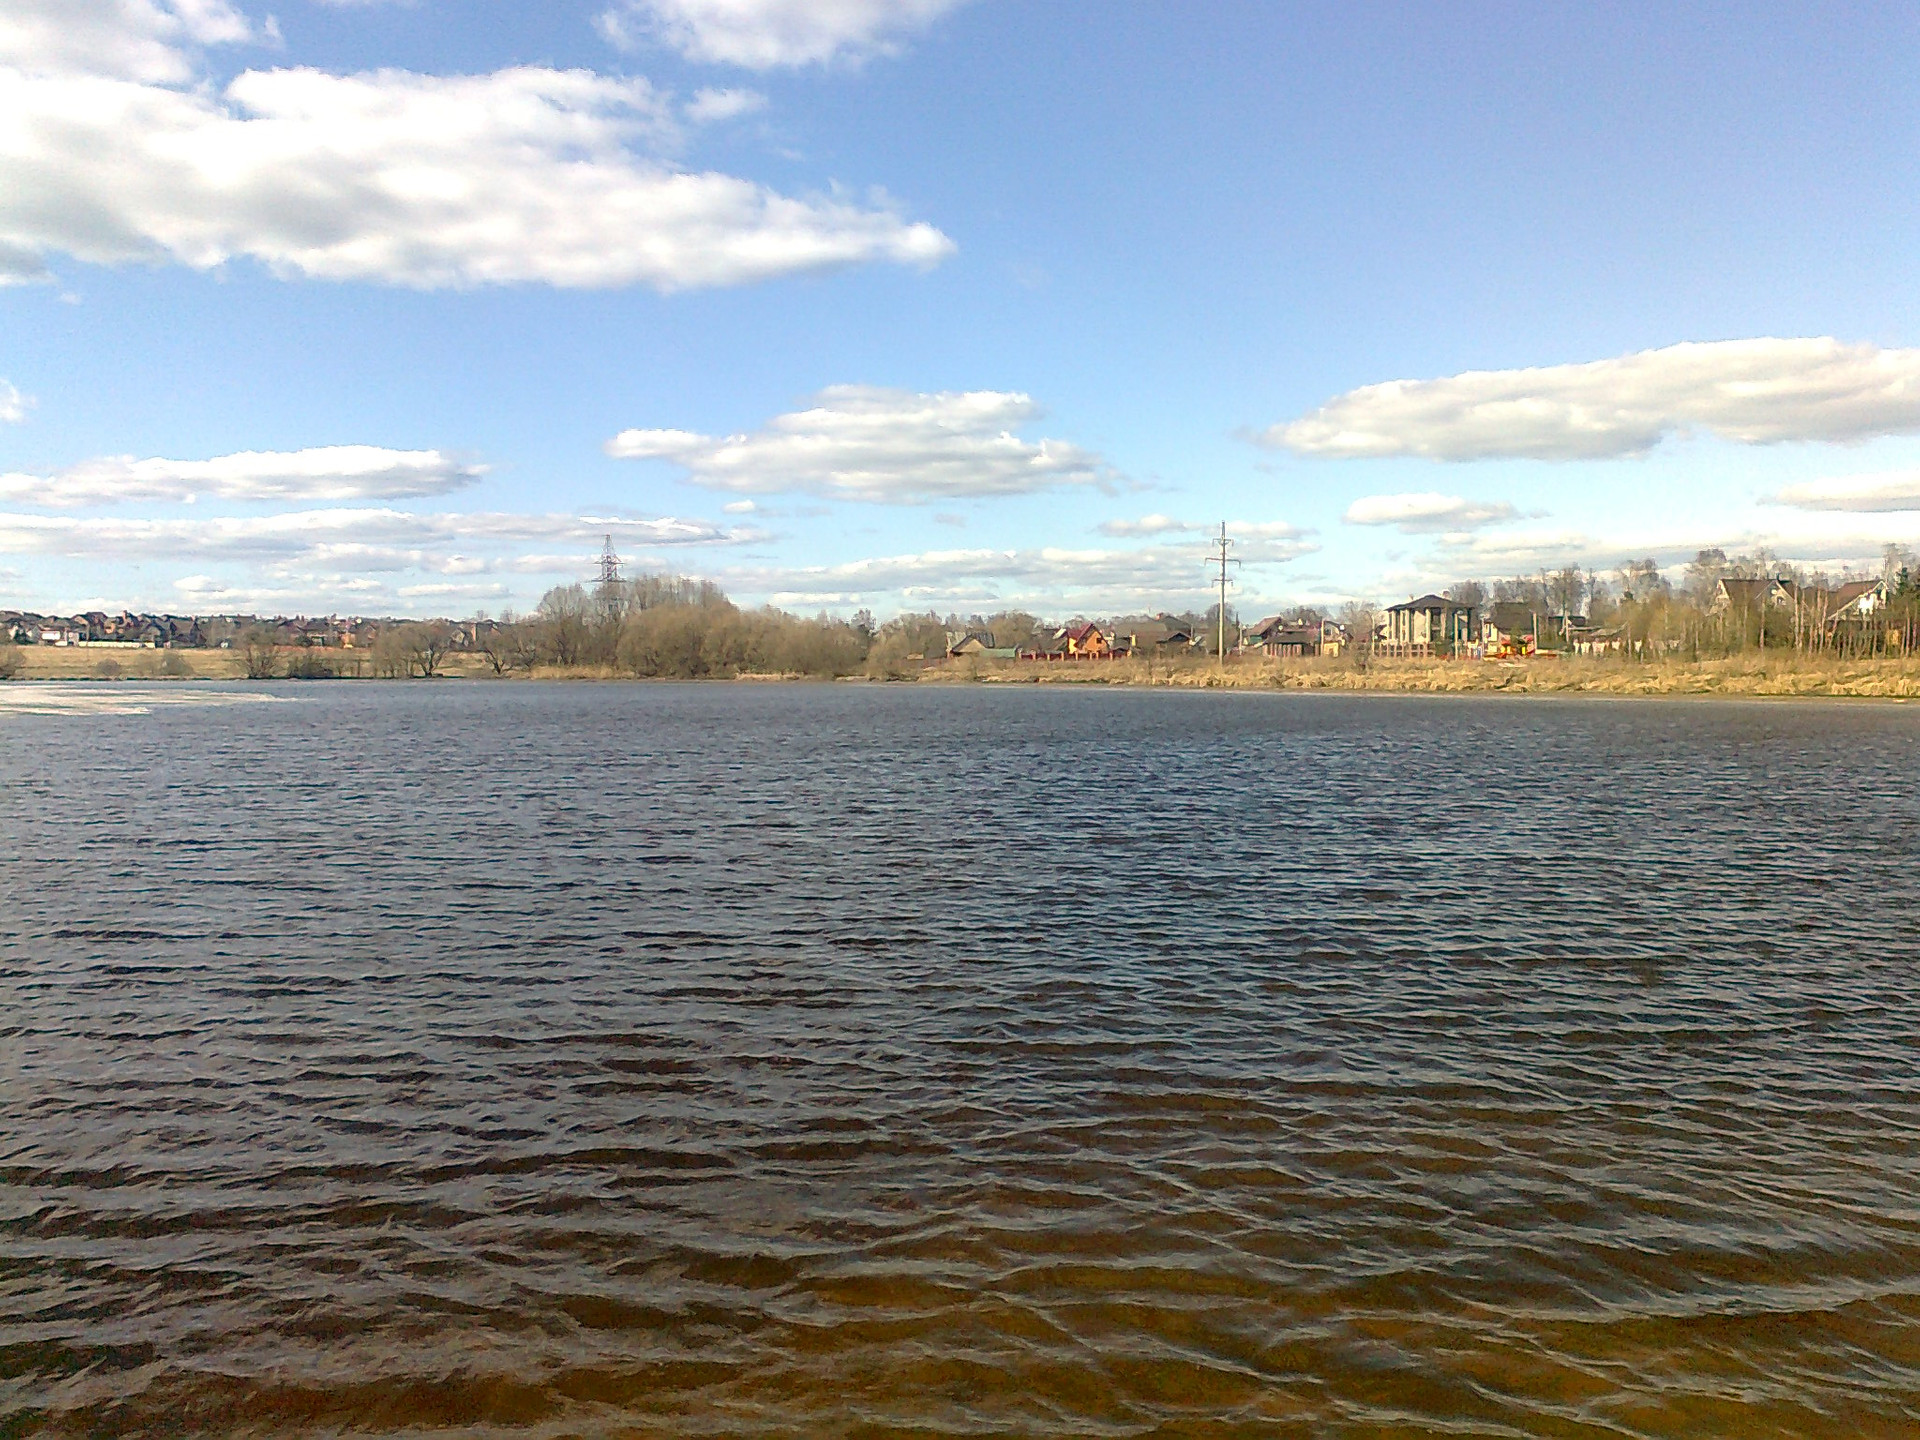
(1657, 616)
(673, 627)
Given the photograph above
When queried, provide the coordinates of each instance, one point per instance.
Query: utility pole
(1223, 544)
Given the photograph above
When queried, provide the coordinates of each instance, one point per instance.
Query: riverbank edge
(1752, 677)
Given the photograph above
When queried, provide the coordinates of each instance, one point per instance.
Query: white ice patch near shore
(113, 698)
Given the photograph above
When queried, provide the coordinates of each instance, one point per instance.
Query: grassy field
(55, 662)
(1771, 675)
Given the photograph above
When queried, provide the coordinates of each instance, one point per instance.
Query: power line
(609, 565)
(1223, 544)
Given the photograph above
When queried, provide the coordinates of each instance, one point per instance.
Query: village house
(1854, 601)
(1083, 641)
(1165, 634)
(1750, 596)
(1813, 611)
(1520, 627)
(979, 644)
(1285, 639)
(1427, 626)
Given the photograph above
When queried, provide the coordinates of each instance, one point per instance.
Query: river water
(832, 1061)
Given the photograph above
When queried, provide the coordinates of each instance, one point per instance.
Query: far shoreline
(1781, 675)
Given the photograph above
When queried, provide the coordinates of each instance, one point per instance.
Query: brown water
(512, 1060)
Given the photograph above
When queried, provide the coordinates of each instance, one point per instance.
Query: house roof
(1430, 602)
(1746, 590)
(1853, 592)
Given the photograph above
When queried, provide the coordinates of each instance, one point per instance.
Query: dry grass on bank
(84, 662)
(1775, 674)
(1770, 675)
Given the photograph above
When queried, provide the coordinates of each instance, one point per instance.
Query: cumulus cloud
(13, 405)
(765, 34)
(1750, 392)
(331, 472)
(527, 174)
(1426, 512)
(859, 442)
(128, 39)
(710, 106)
(1888, 490)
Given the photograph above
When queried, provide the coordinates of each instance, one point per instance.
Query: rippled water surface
(863, 1061)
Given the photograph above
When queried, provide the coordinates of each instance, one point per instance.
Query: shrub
(311, 665)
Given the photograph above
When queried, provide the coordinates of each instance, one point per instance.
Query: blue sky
(397, 308)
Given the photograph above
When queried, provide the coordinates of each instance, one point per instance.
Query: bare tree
(565, 617)
(1361, 620)
(493, 642)
(1704, 572)
(426, 646)
(259, 654)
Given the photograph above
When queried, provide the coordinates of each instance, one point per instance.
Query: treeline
(673, 627)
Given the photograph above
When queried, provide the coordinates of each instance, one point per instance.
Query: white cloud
(1094, 580)
(13, 405)
(523, 175)
(1155, 524)
(128, 39)
(1750, 392)
(1427, 511)
(860, 442)
(711, 106)
(1889, 490)
(1237, 530)
(294, 592)
(764, 34)
(332, 472)
(358, 539)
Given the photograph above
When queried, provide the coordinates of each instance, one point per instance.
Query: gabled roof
(1743, 590)
(1430, 602)
(1854, 591)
